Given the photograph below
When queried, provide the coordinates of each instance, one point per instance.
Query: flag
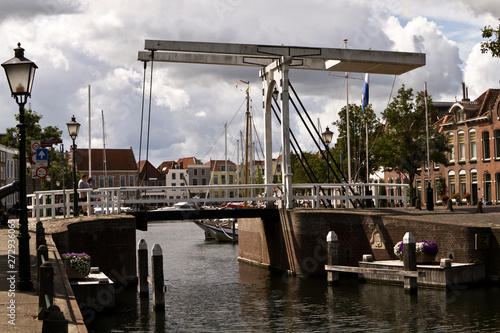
(365, 93)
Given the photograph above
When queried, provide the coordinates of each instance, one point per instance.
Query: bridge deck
(178, 214)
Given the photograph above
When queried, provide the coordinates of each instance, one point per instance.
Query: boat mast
(104, 151)
(225, 157)
(246, 142)
(90, 139)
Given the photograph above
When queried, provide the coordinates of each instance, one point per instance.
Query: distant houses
(473, 170)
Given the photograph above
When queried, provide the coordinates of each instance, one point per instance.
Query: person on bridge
(82, 184)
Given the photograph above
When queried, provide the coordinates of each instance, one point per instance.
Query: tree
(492, 45)
(316, 163)
(357, 139)
(35, 132)
(403, 146)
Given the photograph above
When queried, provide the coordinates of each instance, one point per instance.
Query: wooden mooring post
(156, 279)
(410, 262)
(332, 241)
(142, 268)
(409, 272)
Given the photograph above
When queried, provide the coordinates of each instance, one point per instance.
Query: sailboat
(226, 230)
(222, 230)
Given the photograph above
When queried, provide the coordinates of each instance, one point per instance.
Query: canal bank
(297, 242)
(110, 240)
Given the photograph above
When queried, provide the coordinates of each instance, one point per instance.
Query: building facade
(9, 172)
(473, 171)
(109, 167)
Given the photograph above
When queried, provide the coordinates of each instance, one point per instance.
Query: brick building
(473, 132)
(110, 167)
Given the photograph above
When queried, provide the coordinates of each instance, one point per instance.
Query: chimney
(465, 93)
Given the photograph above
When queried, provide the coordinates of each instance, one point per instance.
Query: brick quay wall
(108, 239)
(297, 242)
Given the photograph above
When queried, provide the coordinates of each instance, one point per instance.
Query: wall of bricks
(298, 241)
(111, 243)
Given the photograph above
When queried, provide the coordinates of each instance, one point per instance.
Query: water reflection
(208, 290)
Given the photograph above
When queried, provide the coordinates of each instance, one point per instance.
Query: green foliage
(358, 122)
(34, 131)
(493, 43)
(403, 146)
(317, 164)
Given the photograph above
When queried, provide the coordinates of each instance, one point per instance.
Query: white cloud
(481, 72)
(82, 43)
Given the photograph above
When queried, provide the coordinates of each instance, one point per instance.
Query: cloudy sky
(82, 43)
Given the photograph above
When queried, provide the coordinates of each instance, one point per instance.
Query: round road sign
(41, 172)
(35, 145)
(33, 158)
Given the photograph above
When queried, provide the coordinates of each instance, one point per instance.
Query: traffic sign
(35, 144)
(33, 158)
(41, 172)
(42, 154)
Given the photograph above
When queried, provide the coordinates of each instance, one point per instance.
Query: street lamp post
(73, 128)
(20, 74)
(327, 138)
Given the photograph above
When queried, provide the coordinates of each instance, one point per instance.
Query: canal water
(208, 290)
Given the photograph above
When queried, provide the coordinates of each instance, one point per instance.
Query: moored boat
(219, 229)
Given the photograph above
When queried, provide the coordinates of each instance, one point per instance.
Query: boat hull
(219, 233)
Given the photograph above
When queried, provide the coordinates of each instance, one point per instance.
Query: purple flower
(430, 248)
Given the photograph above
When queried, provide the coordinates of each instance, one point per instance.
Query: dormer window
(460, 116)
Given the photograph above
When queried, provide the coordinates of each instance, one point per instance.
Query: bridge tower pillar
(279, 69)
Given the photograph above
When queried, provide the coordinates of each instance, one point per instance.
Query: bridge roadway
(142, 217)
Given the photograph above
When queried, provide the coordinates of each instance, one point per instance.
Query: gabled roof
(116, 159)
(144, 165)
(215, 165)
(165, 166)
(479, 108)
(185, 161)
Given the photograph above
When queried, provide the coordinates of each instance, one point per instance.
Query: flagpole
(364, 103)
(430, 200)
(367, 166)
(348, 125)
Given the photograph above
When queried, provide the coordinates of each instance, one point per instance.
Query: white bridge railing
(114, 199)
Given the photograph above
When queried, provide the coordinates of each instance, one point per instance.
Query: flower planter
(424, 258)
(72, 273)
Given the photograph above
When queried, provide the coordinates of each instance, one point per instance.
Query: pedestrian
(91, 199)
(82, 184)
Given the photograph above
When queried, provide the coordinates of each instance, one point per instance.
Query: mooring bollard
(55, 321)
(41, 251)
(449, 205)
(410, 262)
(332, 241)
(142, 268)
(40, 235)
(157, 279)
(479, 208)
(45, 287)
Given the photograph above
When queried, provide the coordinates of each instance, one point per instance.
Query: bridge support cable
(295, 145)
(318, 136)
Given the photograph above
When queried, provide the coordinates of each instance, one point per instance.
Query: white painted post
(405, 203)
(410, 262)
(332, 241)
(157, 278)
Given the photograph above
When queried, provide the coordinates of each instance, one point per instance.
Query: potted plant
(445, 198)
(77, 264)
(467, 197)
(426, 251)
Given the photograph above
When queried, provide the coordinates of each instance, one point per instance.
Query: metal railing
(114, 199)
